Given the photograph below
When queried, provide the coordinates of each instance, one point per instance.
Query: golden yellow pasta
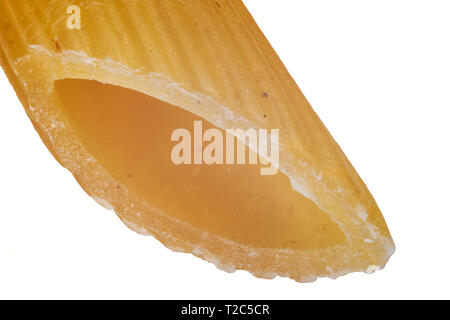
(150, 104)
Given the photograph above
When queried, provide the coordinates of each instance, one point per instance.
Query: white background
(376, 72)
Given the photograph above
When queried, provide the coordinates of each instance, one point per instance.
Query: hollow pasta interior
(129, 133)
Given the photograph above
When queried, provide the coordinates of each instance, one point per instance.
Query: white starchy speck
(136, 228)
(361, 212)
(105, 204)
(373, 269)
